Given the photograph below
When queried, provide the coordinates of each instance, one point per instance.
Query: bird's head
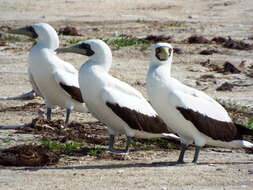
(161, 53)
(43, 32)
(91, 48)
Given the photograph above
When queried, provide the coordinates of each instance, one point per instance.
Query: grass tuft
(67, 148)
(10, 38)
(176, 24)
(93, 151)
(6, 140)
(124, 41)
(74, 40)
(250, 124)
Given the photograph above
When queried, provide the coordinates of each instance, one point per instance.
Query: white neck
(49, 41)
(161, 69)
(103, 60)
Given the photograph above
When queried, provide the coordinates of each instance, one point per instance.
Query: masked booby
(52, 78)
(121, 107)
(193, 115)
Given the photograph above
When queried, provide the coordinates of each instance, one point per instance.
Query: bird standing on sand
(54, 79)
(193, 115)
(121, 107)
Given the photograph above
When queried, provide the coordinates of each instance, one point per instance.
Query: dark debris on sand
(239, 45)
(211, 66)
(178, 50)
(225, 87)
(28, 155)
(5, 28)
(208, 52)
(229, 68)
(27, 107)
(69, 31)
(225, 42)
(237, 114)
(56, 131)
(92, 133)
(232, 44)
(219, 40)
(226, 68)
(158, 38)
(197, 39)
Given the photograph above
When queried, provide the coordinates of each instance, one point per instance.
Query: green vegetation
(231, 104)
(250, 124)
(10, 38)
(67, 148)
(74, 40)
(244, 113)
(71, 147)
(93, 151)
(124, 41)
(176, 24)
(6, 140)
(145, 46)
(30, 40)
(14, 38)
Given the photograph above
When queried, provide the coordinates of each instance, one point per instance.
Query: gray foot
(128, 142)
(68, 111)
(49, 112)
(196, 155)
(181, 156)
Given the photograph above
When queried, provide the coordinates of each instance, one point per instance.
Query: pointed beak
(77, 48)
(70, 49)
(27, 31)
(164, 54)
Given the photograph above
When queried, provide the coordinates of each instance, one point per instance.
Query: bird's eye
(31, 29)
(169, 51)
(157, 50)
(85, 46)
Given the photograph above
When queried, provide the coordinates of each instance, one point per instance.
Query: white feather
(105, 88)
(127, 99)
(48, 70)
(189, 98)
(167, 94)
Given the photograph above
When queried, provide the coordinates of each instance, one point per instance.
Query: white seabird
(121, 107)
(192, 114)
(54, 79)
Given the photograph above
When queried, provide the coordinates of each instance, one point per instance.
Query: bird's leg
(111, 143)
(49, 111)
(196, 155)
(68, 111)
(128, 142)
(181, 156)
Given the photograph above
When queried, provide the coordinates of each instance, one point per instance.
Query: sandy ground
(217, 168)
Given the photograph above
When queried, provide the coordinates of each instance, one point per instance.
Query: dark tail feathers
(244, 130)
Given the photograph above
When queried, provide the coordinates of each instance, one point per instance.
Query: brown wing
(139, 121)
(218, 130)
(73, 91)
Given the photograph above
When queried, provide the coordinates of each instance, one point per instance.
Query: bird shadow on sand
(107, 166)
(131, 165)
